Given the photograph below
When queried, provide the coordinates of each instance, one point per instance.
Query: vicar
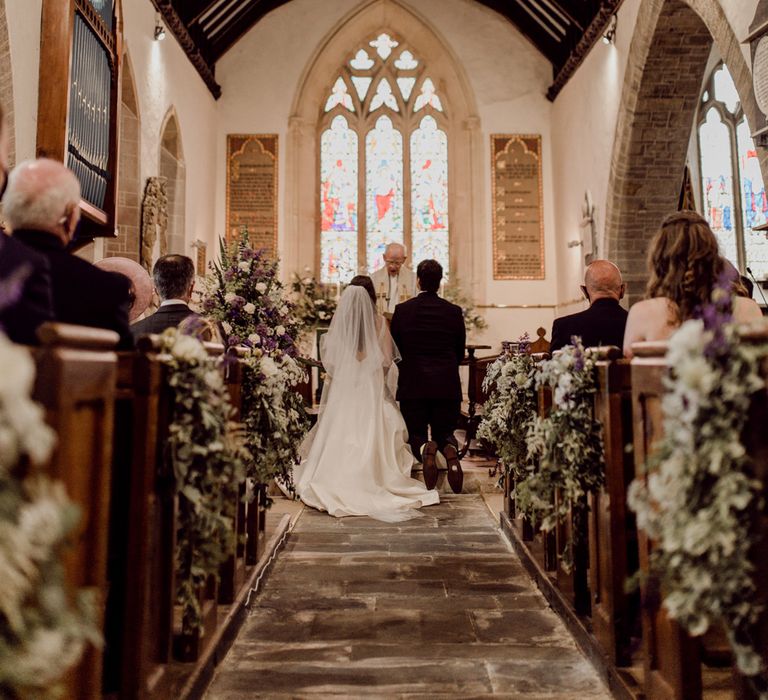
(394, 282)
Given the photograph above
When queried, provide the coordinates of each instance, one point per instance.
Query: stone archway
(172, 168)
(128, 182)
(6, 86)
(667, 59)
(465, 156)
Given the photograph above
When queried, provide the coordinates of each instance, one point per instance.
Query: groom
(429, 332)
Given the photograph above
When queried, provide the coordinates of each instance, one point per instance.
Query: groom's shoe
(429, 463)
(455, 475)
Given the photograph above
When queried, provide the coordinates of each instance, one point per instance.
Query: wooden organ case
(79, 103)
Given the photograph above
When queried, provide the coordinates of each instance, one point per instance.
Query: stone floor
(433, 607)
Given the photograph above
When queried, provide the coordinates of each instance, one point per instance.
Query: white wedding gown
(356, 460)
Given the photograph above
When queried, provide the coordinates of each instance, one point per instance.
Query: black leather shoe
(429, 463)
(455, 475)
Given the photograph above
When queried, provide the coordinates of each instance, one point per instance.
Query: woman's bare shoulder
(746, 310)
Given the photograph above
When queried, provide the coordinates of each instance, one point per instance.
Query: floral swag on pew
(510, 408)
(565, 449)
(700, 497)
(247, 299)
(208, 455)
(42, 630)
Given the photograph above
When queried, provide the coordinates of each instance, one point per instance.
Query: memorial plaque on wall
(518, 217)
(252, 189)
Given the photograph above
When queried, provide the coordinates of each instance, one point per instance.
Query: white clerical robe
(396, 288)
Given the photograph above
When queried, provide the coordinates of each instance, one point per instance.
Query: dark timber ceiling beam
(190, 11)
(236, 26)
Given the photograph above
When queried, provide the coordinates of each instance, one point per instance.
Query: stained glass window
(364, 161)
(728, 156)
(338, 202)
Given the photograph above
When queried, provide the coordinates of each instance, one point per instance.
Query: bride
(356, 459)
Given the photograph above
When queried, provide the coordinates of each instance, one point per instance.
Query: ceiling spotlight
(159, 29)
(610, 32)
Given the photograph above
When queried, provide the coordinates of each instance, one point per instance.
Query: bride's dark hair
(367, 284)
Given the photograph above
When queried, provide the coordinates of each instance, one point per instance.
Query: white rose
(188, 348)
(254, 338)
(280, 330)
(307, 280)
(250, 308)
(227, 327)
(229, 297)
(261, 287)
(244, 265)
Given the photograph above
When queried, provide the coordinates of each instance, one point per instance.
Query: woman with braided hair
(684, 264)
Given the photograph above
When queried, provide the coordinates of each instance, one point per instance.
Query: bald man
(42, 207)
(603, 322)
(394, 280)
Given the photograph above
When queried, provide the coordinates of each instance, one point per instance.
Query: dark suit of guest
(167, 316)
(429, 333)
(26, 280)
(82, 293)
(601, 324)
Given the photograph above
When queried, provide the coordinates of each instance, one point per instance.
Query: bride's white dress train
(357, 460)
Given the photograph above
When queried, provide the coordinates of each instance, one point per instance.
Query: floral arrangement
(510, 407)
(565, 449)
(208, 454)
(315, 302)
(247, 298)
(42, 631)
(453, 292)
(699, 497)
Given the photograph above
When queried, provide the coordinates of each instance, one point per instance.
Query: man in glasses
(394, 282)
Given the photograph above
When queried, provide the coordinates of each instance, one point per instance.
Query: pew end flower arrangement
(250, 303)
(315, 303)
(207, 452)
(44, 627)
(699, 499)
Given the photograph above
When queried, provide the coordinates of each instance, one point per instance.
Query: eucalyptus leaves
(42, 634)
(699, 498)
(208, 455)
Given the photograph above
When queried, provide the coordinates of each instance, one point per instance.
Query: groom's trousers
(441, 416)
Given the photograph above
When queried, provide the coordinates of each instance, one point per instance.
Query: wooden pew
(612, 532)
(75, 382)
(672, 668)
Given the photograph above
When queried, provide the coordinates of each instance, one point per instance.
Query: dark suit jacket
(429, 332)
(601, 324)
(25, 297)
(165, 317)
(82, 293)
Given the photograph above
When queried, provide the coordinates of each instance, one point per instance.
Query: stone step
(477, 477)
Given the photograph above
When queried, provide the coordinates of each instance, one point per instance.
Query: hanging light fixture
(610, 33)
(159, 28)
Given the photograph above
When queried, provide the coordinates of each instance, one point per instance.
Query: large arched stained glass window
(383, 162)
(727, 155)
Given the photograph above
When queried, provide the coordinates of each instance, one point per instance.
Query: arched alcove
(173, 170)
(465, 154)
(128, 192)
(668, 57)
(6, 86)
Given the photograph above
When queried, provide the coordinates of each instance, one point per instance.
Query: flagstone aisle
(433, 607)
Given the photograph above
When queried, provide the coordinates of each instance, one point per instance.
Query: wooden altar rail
(112, 412)
(668, 664)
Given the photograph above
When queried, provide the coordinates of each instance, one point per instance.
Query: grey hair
(39, 201)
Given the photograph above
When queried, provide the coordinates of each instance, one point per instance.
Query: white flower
(250, 308)
(254, 338)
(261, 287)
(189, 349)
(268, 367)
(229, 297)
(307, 280)
(244, 265)
(227, 327)
(280, 330)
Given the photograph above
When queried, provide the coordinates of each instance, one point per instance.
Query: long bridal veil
(356, 460)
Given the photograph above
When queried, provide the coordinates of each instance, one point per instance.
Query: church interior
(609, 536)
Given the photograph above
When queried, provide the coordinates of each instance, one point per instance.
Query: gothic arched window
(727, 155)
(383, 162)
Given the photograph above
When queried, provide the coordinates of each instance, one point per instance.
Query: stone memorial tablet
(518, 220)
(252, 189)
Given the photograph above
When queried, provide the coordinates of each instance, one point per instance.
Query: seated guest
(684, 265)
(25, 276)
(174, 277)
(42, 207)
(603, 322)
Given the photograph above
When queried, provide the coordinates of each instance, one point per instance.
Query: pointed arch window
(383, 161)
(732, 190)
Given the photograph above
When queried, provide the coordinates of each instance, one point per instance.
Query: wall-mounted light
(610, 33)
(159, 28)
